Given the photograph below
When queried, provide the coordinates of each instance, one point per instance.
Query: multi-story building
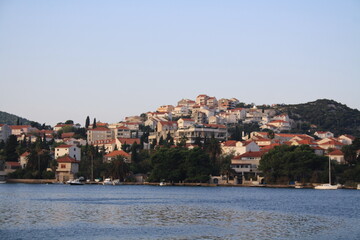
(67, 168)
(202, 131)
(5, 132)
(68, 150)
(99, 133)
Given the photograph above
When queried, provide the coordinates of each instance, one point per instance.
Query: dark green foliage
(10, 153)
(327, 115)
(87, 122)
(117, 169)
(180, 164)
(293, 163)
(11, 119)
(94, 123)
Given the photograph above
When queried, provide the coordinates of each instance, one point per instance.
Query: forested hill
(11, 119)
(327, 115)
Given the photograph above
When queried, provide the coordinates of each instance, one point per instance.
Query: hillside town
(189, 124)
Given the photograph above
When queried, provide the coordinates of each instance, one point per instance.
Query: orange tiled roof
(117, 153)
(66, 159)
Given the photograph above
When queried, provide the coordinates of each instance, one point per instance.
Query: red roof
(67, 135)
(250, 154)
(25, 154)
(19, 126)
(336, 152)
(99, 129)
(129, 141)
(117, 153)
(229, 143)
(65, 146)
(66, 159)
(168, 123)
(13, 164)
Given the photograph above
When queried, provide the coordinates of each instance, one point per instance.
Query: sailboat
(327, 186)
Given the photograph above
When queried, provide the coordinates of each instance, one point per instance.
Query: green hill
(324, 115)
(11, 119)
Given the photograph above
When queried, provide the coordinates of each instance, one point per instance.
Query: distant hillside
(11, 119)
(327, 115)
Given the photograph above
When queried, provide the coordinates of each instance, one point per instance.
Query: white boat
(76, 182)
(358, 187)
(162, 184)
(116, 182)
(327, 186)
(2, 182)
(107, 181)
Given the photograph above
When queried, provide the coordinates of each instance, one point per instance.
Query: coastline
(54, 181)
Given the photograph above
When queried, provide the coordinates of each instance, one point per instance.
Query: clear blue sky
(63, 60)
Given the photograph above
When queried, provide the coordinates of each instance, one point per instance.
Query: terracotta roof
(250, 154)
(99, 129)
(168, 123)
(332, 142)
(25, 154)
(65, 146)
(229, 143)
(19, 126)
(67, 135)
(123, 128)
(129, 141)
(13, 164)
(187, 119)
(66, 159)
(117, 153)
(335, 152)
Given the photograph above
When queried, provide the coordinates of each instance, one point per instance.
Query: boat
(2, 182)
(162, 184)
(358, 187)
(76, 182)
(327, 186)
(116, 182)
(107, 181)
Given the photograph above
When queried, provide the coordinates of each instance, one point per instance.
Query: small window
(63, 166)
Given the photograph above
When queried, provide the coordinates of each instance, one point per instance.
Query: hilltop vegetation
(326, 115)
(11, 119)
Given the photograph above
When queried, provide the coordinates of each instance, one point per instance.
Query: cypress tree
(87, 122)
(94, 124)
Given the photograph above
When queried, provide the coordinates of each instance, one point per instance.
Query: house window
(63, 166)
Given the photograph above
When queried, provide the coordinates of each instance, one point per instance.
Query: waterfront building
(70, 150)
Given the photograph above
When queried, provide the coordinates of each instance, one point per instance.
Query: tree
(10, 153)
(87, 122)
(118, 169)
(94, 123)
(293, 163)
(69, 122)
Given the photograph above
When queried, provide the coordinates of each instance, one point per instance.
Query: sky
(66, 60)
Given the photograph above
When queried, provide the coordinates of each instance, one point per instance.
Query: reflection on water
(144, 212)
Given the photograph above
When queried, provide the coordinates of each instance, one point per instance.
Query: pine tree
(94, 124)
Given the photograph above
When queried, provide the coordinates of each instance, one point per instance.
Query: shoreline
(54, 181)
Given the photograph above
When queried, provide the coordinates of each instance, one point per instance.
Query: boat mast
(329, 171)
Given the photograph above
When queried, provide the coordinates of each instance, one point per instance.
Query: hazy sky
(63, 60)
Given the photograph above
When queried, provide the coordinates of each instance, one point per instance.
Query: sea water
(153, 212)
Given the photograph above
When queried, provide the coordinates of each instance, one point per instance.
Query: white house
(69, 150)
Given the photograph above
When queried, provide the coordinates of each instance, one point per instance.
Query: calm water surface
(151, 212)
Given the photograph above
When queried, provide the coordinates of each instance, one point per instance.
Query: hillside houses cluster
(188, 121)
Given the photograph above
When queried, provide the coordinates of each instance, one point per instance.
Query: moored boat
(76, 182)
(326, 186)
(107, 181)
